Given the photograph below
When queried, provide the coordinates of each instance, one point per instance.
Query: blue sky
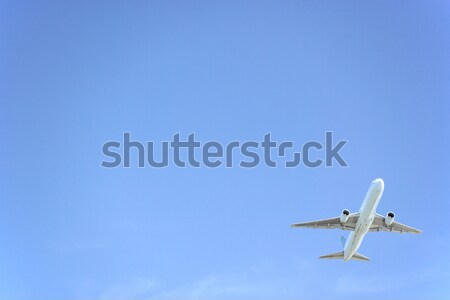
(76, 74)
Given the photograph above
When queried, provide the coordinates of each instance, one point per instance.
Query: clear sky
(75, 74)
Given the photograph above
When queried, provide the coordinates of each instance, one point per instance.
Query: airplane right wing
(379, 225)
(332, 223)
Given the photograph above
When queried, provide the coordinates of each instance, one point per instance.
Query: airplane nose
(379, 183)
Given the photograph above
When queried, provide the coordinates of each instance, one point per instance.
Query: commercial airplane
(360, 223)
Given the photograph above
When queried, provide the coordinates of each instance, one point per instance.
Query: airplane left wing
(379, 225)
(331, 223)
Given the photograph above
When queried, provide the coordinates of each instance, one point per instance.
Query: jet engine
(389, 218)
(344, 215)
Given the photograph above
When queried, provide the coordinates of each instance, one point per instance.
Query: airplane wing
(379, 225)
(331, 223)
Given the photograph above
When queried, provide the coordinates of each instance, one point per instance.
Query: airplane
(360, 224)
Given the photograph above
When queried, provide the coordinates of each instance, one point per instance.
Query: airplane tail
(340, 255)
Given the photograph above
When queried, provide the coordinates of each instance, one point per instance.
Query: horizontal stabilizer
(337, 255)
(340, 255)
(358, 256)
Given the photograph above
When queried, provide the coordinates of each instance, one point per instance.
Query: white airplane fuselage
(366, 216)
